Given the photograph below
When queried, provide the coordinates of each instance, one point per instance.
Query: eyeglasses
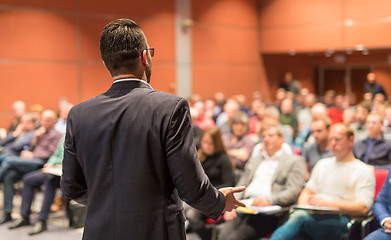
(151, 51)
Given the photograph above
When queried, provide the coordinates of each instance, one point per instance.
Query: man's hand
(387, 226)
(261, 202)
(319, 202)
(231, 202)
(26, 154)
(228, 216)
(40, 132)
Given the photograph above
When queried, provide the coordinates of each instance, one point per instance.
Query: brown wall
(50, 48)
(318, 25)
(225, 48)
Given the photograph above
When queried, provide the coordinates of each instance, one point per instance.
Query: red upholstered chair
(361, 227)
(380, 175)
(210, 223)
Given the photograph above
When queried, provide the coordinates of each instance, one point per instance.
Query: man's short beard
(148, 70)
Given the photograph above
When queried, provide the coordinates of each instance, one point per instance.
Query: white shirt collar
(275, 156)
(132, 79)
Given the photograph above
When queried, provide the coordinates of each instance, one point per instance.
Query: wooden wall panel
(300, 39)
(41, 5)
(225, 48)
(319, 25)
(154, 9)
(285, 13)
(228, 13)
(50, 49)
(37, 35)
(229, 79)
(370, 35)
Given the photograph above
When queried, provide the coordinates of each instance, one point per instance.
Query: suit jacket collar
(283, 158)
(129, 83)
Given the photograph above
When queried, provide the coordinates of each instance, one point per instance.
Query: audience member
(61, 123)
(371, 86)
(203, 121)
(197, 131)
(37, 110)
(209, 107)
(299, 99)
(342, 182)
(378, 99)
(374, 150)
(271, 115)
(290, 84)
(239, 145)
(287, 116)
(17, 140)
(335, 112)
(348, 116)
(318, 110)
(231, 108)
(280, 95)
(351, 98)
(257, 110)
(304, 115)
(387, 127)
(218, 168)
(19, 108)
(272, 177)
(242, 102)
(360, 130)
(382, 210)
(34, 180)
(328, 98)
(320, 149)
(220, 100)
(13, 168)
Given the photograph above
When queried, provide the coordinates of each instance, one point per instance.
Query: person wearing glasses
(129, 153)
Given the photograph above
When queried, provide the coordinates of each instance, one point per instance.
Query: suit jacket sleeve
(184, 166)
(383, 200)
(73, 182)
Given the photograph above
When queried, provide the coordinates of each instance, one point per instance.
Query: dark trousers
(249, 227)
(35, 180)
(11, 170)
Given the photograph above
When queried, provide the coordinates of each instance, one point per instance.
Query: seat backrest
(380, 175)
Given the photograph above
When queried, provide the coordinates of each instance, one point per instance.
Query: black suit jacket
(129, 154)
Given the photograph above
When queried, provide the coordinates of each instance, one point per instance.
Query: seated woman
(218, 168)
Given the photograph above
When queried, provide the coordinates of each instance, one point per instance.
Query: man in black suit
(129, 152)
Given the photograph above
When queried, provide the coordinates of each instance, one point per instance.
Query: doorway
(342, 79)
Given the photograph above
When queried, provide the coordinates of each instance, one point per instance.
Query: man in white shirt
(272, 177)
(341, 183)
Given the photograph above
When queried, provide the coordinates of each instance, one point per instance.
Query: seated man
(382, 210)
(374, 150)
(320, 149)
(342, 183)
(272, 177)
(15, 142)
(19, 108)
(362, 111)
(34, 180)
(13, 168)
(288, 117)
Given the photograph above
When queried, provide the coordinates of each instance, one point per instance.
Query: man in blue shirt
(374, 150)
